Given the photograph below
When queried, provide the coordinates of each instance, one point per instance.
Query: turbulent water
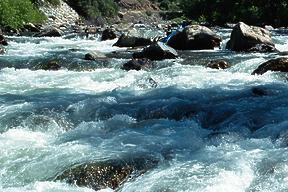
(208, 129)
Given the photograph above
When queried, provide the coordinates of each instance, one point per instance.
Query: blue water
(208, 129)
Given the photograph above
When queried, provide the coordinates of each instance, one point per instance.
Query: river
(208, 129)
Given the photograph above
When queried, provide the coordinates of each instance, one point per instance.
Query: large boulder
(250, 38)
(108, 34)
(101, 175)
(50, 32)
(3, 40)
(137, 64)
(157, 51)
(279, 64)
(218, 64)
(130, 41)
(194, 37)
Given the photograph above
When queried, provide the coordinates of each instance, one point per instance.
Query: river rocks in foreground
(250, 38)
(94, 55)
(218, 64)
(194, 37)
(101, 175)
(108, 34)
(130, 41)
(3, 40)
(157, 51)
(137, 64)
(279, 64)
(50, 32)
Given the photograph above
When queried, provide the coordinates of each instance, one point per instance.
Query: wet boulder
(131, 41)
(218, 64)
(94, 55)
(3, 40)
(250, 39)
(50, 32)
(157, 51)
(194, 37)
(50, 65)
(137, 64)
(108, 34)
(111, 173)
(279, 64)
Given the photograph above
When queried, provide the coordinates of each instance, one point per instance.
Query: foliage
(252, 12)
(90, 9)
(14, 13)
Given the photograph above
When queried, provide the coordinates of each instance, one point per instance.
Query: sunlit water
(208, 128)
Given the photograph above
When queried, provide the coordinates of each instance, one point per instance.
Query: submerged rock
(137, 64)
(250, 38)
(130, 41)
(195, 37)
(51, 65)
(279, 64)
(108, 34)
(3, 40)
(157, 51)
(101, 175)
(94, 55)
(50, 32)
(218, 64)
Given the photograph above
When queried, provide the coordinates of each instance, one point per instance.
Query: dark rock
(2, 50)
(94, 56)
(137, 64)
(100, 175)
(250, 38)
(157, 51)
(108, 34)
(129, 41)
(50, 32)
(279, 64)
(194, 37)
(3, 40)
(31, 28)
(51, 65)
(218, 64)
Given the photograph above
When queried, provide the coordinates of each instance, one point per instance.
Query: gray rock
(3, 40)
(50, 32)
(137, 64)
(50, 65)
(94, 55)
(108, 34)
(100, 175)
(250, 38)
(157, 51)
(218, 64)
(130, 41)
(194, 37)
(279, 64)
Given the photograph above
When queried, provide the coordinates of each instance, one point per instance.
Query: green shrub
(94, 8)
(14, 13)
